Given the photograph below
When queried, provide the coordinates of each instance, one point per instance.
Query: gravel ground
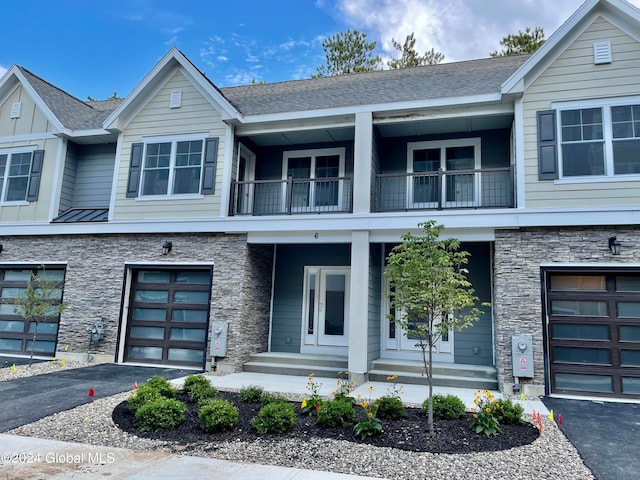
(550, 457)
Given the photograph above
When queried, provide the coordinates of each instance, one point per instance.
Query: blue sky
(96, 48)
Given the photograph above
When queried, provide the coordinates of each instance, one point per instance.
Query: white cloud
(461, 29)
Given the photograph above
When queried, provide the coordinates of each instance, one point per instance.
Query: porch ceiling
(415, 127)
(299, 137)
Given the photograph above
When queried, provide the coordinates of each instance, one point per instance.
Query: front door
(325, 321)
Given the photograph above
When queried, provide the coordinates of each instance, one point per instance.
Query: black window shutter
(210, 163)
(547, 146)
(36, 173)
(135, 169)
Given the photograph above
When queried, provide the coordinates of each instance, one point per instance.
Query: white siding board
(196, 115)
(31, 119)
(573, 76)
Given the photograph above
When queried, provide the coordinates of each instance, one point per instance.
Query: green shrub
(193, 380)
(507, 412)
(336, 413)
(201, 393)
(391, 408)
(275, 417)
(250, 394)
(218, 415)
(267, 397)
(143, 395)
(162, 385)
(160, 414)
(445, 407)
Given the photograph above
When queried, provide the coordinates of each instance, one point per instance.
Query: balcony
(474, 188)
(292, 196)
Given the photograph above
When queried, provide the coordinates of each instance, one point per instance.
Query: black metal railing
(292, 196)
(477, 188)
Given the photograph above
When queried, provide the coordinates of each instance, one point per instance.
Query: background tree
(429, 290)
(520, 43)
(39, 301)
(409, 56)
(348, 52)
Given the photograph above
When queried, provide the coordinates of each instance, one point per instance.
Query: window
(172, 167)
(315, 179)
(15, 172)
(599, 138)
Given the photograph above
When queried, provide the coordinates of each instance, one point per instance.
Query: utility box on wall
(219, 339)
(522, 355)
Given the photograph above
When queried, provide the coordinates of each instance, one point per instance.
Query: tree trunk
(33, 343)
(430, 375)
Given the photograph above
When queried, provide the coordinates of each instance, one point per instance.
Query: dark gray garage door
(593, 333)
(168, 317)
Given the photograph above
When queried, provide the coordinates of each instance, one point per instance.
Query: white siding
(31, 119)
(574, 76)
(196, 115)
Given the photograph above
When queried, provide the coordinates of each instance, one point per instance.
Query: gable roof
(446, 80)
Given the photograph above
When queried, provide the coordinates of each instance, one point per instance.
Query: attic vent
(601, 52)
(175, 101)
(15, 109)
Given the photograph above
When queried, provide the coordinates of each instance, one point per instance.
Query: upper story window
(600, 140)
(172, 166)
(19, 175)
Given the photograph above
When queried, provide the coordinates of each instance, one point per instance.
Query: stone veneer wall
(517, 298)
(241, 287)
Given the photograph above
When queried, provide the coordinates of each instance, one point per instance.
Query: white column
(363, 148)
(359, 305)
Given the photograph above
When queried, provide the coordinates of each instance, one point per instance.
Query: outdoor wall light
(0, 248)
(166, 248)
(614, 246)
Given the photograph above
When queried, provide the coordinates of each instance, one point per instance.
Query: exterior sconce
(614, 246)
(0, 248)
(166, 248)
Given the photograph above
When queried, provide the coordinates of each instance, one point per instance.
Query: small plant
(394, 389)
(162, 385)
(267, 397)
(275, 417)
(345, 386)
(371, 425)
(391, 408)
(508, 412)
(484, 417)
(312, 404)
(160, 414)
(193, 380)
(445, 407)
(201, 393)
(336, 413)
(250, 394)
(144, 394)
(218, 415)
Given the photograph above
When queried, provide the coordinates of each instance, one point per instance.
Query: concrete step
(297, 360)
(439, 380)
(445, 369)
(301, 370)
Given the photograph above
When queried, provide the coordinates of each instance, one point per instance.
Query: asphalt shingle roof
(446, 80)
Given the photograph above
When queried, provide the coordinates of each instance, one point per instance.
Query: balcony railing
(481, 188)
(292, 196)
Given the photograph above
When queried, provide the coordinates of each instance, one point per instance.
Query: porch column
(363, 148)
(359, 305)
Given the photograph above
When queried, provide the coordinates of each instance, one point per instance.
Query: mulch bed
(411, 434)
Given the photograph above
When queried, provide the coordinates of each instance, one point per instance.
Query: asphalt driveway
(26, 400)
(606, 434)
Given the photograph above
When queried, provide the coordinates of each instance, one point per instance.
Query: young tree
(39, 301)
(409, 56)
(520, 43)
(428, 287)
(348, 52)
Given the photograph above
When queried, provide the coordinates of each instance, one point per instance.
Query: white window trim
(313, 153)
(173, 139)
(474, 142)
(607, 133)
(3, 181)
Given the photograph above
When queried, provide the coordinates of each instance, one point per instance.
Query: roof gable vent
(15, 109)
(602, 53)
(175, 100)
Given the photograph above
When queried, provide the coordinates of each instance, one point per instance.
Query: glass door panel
(299, 169)
(460, 188)
(326, 315)
(424, 184)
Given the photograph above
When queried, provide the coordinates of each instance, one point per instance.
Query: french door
(325, 322)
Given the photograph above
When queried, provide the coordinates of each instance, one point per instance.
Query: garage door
(16, 334)
(168, 317)
(594, 333)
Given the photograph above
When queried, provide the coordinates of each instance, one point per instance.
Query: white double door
(325, 318)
